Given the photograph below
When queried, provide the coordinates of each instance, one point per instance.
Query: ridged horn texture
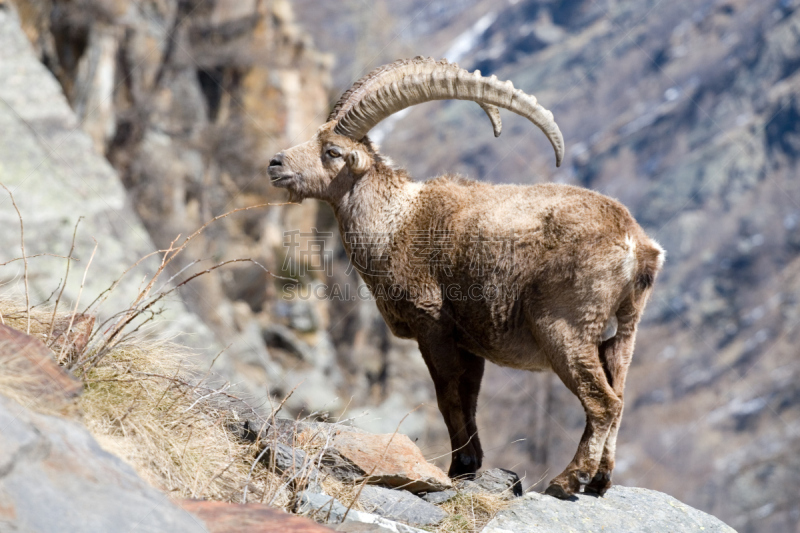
(407, 82)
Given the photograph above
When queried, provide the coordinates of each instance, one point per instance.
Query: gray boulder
(495, 481)
(321, 507)
(329, 510)
(55, 478)
(293, 463)
(360, 527)
(622, 509)
(439, 497)
(400, 505)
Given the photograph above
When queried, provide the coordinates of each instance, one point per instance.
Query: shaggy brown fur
(543, 277)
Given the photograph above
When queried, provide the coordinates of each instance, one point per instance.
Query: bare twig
(24, 258)
(130, 334)
(38, 255)
(77, 301)
(134, 312)
(177, 274)
(129, 315)
(45, 301)
(218, 217)
(144, 293)
(66, 276)
(260, 455)
(144, 301)
(210, 394)
(104, 295)
(171, 253)
(99, 328)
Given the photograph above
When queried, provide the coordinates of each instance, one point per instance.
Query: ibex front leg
(457, 377)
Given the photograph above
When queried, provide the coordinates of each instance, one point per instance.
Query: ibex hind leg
(578, 365)
(616, 354)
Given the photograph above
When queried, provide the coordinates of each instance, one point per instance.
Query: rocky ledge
(625, 509)
(55, 477)
(64, 456)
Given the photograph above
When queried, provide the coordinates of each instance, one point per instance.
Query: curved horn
(407, 82)
(494, 115)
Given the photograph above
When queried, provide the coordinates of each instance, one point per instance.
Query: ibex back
(542, 277)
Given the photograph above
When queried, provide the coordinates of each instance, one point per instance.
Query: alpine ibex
(571, 273)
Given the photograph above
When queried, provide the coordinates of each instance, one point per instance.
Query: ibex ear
(357, 161)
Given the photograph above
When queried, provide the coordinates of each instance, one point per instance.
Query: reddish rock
(73, 342)
(221, 517)
(29, 357)
(390, 460)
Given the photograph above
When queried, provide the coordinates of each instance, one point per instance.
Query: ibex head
(321, 166)
(340, 152)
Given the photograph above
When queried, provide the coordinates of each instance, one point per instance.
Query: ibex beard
(581, 266)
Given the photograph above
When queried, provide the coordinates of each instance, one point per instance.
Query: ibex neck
(377, 204)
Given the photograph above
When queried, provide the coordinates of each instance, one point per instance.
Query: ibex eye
(333, 152)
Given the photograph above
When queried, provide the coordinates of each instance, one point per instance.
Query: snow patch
(382, 130)
(465, 42)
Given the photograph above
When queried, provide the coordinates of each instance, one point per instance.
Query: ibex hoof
(599, 484)
(583, 478)
(557, 491)
(464, 467)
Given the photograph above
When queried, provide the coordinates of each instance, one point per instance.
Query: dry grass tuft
(470, 512)
(14, 315)
(344, 492)
(146, 403)
(140, 403)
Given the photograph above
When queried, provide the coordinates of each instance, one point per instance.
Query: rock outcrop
(400, 505)
(54, 477)
(495, 481)
(389, 459)
(621, 509)
(50, 165)
(329, 510)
